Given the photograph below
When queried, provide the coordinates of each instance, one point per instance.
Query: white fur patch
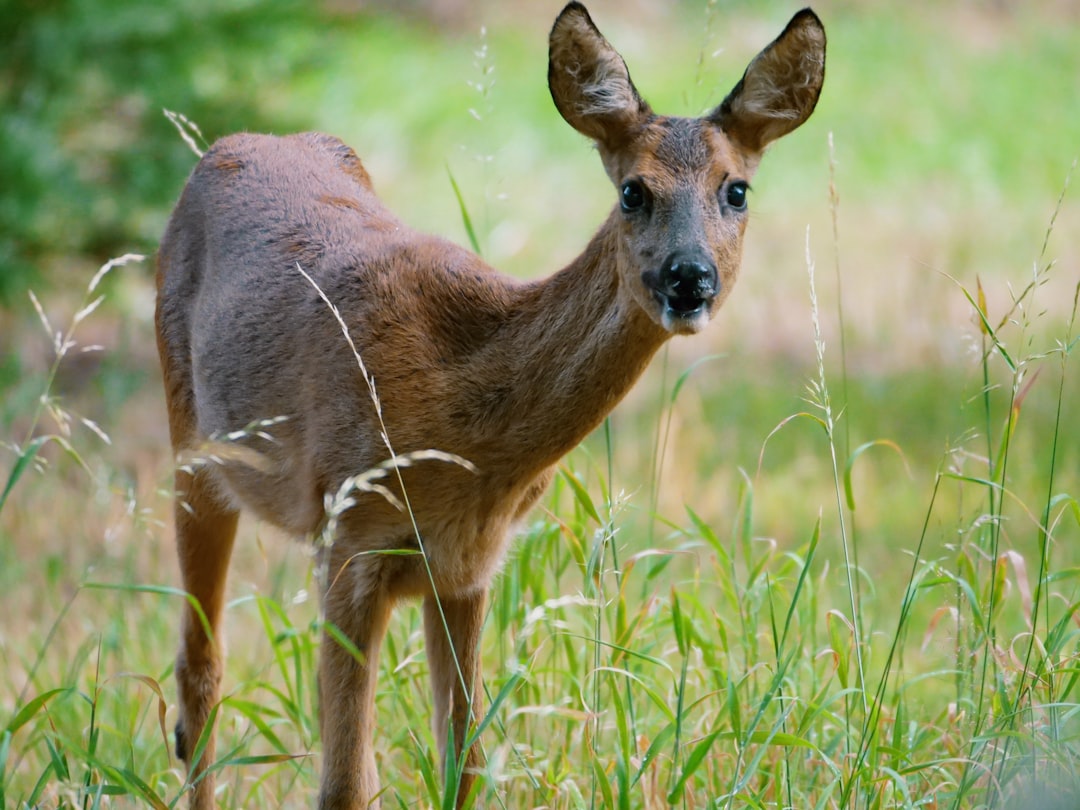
(682, 325)
(609, 90)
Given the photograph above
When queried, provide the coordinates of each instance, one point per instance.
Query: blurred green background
(957, 117)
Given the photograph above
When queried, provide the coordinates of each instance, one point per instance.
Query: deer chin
(682, 316)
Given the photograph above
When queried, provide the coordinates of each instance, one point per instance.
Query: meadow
(825, 555)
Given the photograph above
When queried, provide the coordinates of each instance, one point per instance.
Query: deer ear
(780, 87)
(589, 81)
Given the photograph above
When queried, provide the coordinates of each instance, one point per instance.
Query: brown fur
(507, 375)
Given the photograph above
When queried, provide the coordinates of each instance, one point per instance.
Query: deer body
(462, 356)
(508, 375)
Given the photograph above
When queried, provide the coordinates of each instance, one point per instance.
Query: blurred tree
(88, 164)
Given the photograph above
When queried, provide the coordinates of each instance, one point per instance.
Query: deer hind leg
(358, 603)
(205, 529)
(453, 651)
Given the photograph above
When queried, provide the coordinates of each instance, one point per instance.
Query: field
(825, 555)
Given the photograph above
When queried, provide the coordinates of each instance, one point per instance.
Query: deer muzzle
(684, 287)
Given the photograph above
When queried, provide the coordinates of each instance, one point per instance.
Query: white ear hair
(608, 91)
(589, 82)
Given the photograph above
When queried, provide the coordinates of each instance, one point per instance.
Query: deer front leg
(453, 651)
(358, 604)
(205, 530)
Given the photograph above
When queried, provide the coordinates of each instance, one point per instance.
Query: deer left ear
(780, 87)
(590, 84)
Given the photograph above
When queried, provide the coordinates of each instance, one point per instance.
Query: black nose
(689, 278)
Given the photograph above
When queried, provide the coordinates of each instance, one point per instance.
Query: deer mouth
(685, 306)
(684, 314)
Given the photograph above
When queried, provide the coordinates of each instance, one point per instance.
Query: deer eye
(632, 195)
(735, 195)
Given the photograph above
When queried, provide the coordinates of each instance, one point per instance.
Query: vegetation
(827, 555)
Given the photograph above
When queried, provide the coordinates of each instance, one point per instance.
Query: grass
(797, 574)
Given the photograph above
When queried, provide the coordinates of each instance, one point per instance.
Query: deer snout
(688, 282)
(684, 287)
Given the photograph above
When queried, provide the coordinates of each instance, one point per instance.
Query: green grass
(732, 596)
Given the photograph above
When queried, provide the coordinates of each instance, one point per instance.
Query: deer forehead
(673, 153)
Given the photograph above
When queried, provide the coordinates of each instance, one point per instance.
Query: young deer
(507, 375)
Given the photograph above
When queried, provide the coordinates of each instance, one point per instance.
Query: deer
(280, 269)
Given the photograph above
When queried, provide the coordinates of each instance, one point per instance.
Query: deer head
(682, 183)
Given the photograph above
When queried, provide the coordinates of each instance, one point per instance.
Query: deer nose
(689, 279)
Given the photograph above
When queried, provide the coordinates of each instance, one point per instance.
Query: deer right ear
(589, 82)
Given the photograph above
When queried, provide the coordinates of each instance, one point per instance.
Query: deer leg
(205, 529)
(358, 604)
(453, 651)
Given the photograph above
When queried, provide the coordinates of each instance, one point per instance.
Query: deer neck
(573, 346)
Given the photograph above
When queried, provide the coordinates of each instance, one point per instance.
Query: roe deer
(508, 375)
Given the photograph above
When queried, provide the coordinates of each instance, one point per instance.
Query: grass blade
(22, 463)
(466, 220)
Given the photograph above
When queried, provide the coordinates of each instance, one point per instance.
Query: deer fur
(507, 375)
